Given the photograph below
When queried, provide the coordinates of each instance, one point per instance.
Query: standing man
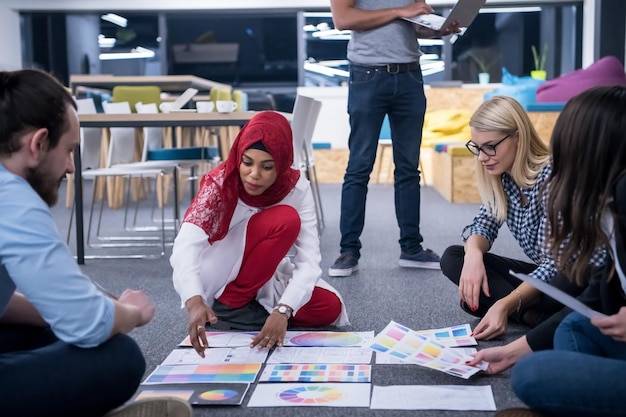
(385, 79)
(63, 344)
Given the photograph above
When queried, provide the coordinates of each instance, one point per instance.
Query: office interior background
(271, 47)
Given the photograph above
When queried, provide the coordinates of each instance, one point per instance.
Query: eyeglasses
(489, 150)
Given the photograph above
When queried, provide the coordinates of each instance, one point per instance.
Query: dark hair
(589, 156)
(31, 99)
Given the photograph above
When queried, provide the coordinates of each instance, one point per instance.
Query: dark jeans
(43, 376)
(372, 95)
(501, 283)
(582, 376)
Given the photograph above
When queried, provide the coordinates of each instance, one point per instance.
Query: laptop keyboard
(432, 21)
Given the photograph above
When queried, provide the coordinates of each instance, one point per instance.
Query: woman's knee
(282, 219)
(452, 262)
(526, 377)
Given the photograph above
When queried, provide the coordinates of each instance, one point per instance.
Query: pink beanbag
(605, 71)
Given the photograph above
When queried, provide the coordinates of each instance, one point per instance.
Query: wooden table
(182, 119)
(167, 83)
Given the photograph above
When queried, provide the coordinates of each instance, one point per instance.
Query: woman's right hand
(199, 314)
(501, 358)
(473, 279)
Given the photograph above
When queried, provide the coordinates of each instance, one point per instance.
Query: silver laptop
(464, 12)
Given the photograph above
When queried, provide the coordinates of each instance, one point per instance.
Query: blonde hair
(504, 114)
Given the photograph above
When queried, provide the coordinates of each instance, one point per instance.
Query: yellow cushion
(445, 126)
(458, 150)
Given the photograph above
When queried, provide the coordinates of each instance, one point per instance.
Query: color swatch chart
(316, 373)
(320, 355)
(311, 395)
(187, 374)
(403, 343)
(328, 339)
(451, 336)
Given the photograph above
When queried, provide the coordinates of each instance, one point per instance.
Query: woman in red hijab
(229, 258)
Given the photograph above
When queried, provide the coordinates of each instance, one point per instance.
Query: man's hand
(199, 314)
(141, 301)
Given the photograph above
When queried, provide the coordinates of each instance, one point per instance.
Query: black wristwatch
(283, 309)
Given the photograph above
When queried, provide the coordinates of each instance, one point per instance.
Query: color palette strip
(187, 374)
(316, 373)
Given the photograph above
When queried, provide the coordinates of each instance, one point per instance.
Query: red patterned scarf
(213, 207)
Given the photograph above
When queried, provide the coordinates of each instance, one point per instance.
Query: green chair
(134, 94)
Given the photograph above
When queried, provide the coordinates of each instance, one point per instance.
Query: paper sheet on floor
(225, 339)
(186, 374)
(433, 397)
(316, 372)
(403, 343)
(310, 395)
(320, 355)
(328, 339)
(216, 355)
(384, 359)
(451, 336)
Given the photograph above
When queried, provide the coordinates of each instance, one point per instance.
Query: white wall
(11, 47)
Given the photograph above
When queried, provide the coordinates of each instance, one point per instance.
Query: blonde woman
(512, 166)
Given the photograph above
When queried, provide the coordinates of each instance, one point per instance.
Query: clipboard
(559, 295)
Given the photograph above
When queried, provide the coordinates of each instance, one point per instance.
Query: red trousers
(270, 235)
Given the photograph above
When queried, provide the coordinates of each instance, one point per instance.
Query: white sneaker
(154, 407)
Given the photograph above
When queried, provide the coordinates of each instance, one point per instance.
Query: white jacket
(204, 269)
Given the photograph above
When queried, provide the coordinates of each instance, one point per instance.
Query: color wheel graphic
(218, 394)
(310, 395)
(326, 340)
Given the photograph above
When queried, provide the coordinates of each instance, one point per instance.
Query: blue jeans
(43, 376)
(584, 375)
(373, 93)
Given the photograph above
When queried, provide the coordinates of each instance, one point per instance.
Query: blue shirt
(526, 219)
(35, 261)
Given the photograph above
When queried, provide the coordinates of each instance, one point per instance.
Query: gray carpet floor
(379, 292)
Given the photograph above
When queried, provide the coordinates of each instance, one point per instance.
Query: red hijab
(213, 207)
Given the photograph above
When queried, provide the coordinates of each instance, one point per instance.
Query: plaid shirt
(527, 223)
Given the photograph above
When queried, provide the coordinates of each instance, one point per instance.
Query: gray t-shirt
(395, 42)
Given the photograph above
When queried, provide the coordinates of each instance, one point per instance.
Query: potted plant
(483, 67)
(539, 72)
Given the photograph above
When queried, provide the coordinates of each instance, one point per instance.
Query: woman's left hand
(273, 332)
(493, 324)
(614, 326)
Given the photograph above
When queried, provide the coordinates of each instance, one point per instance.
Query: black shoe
(344, 266)
(425, 259)
(530, 316)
